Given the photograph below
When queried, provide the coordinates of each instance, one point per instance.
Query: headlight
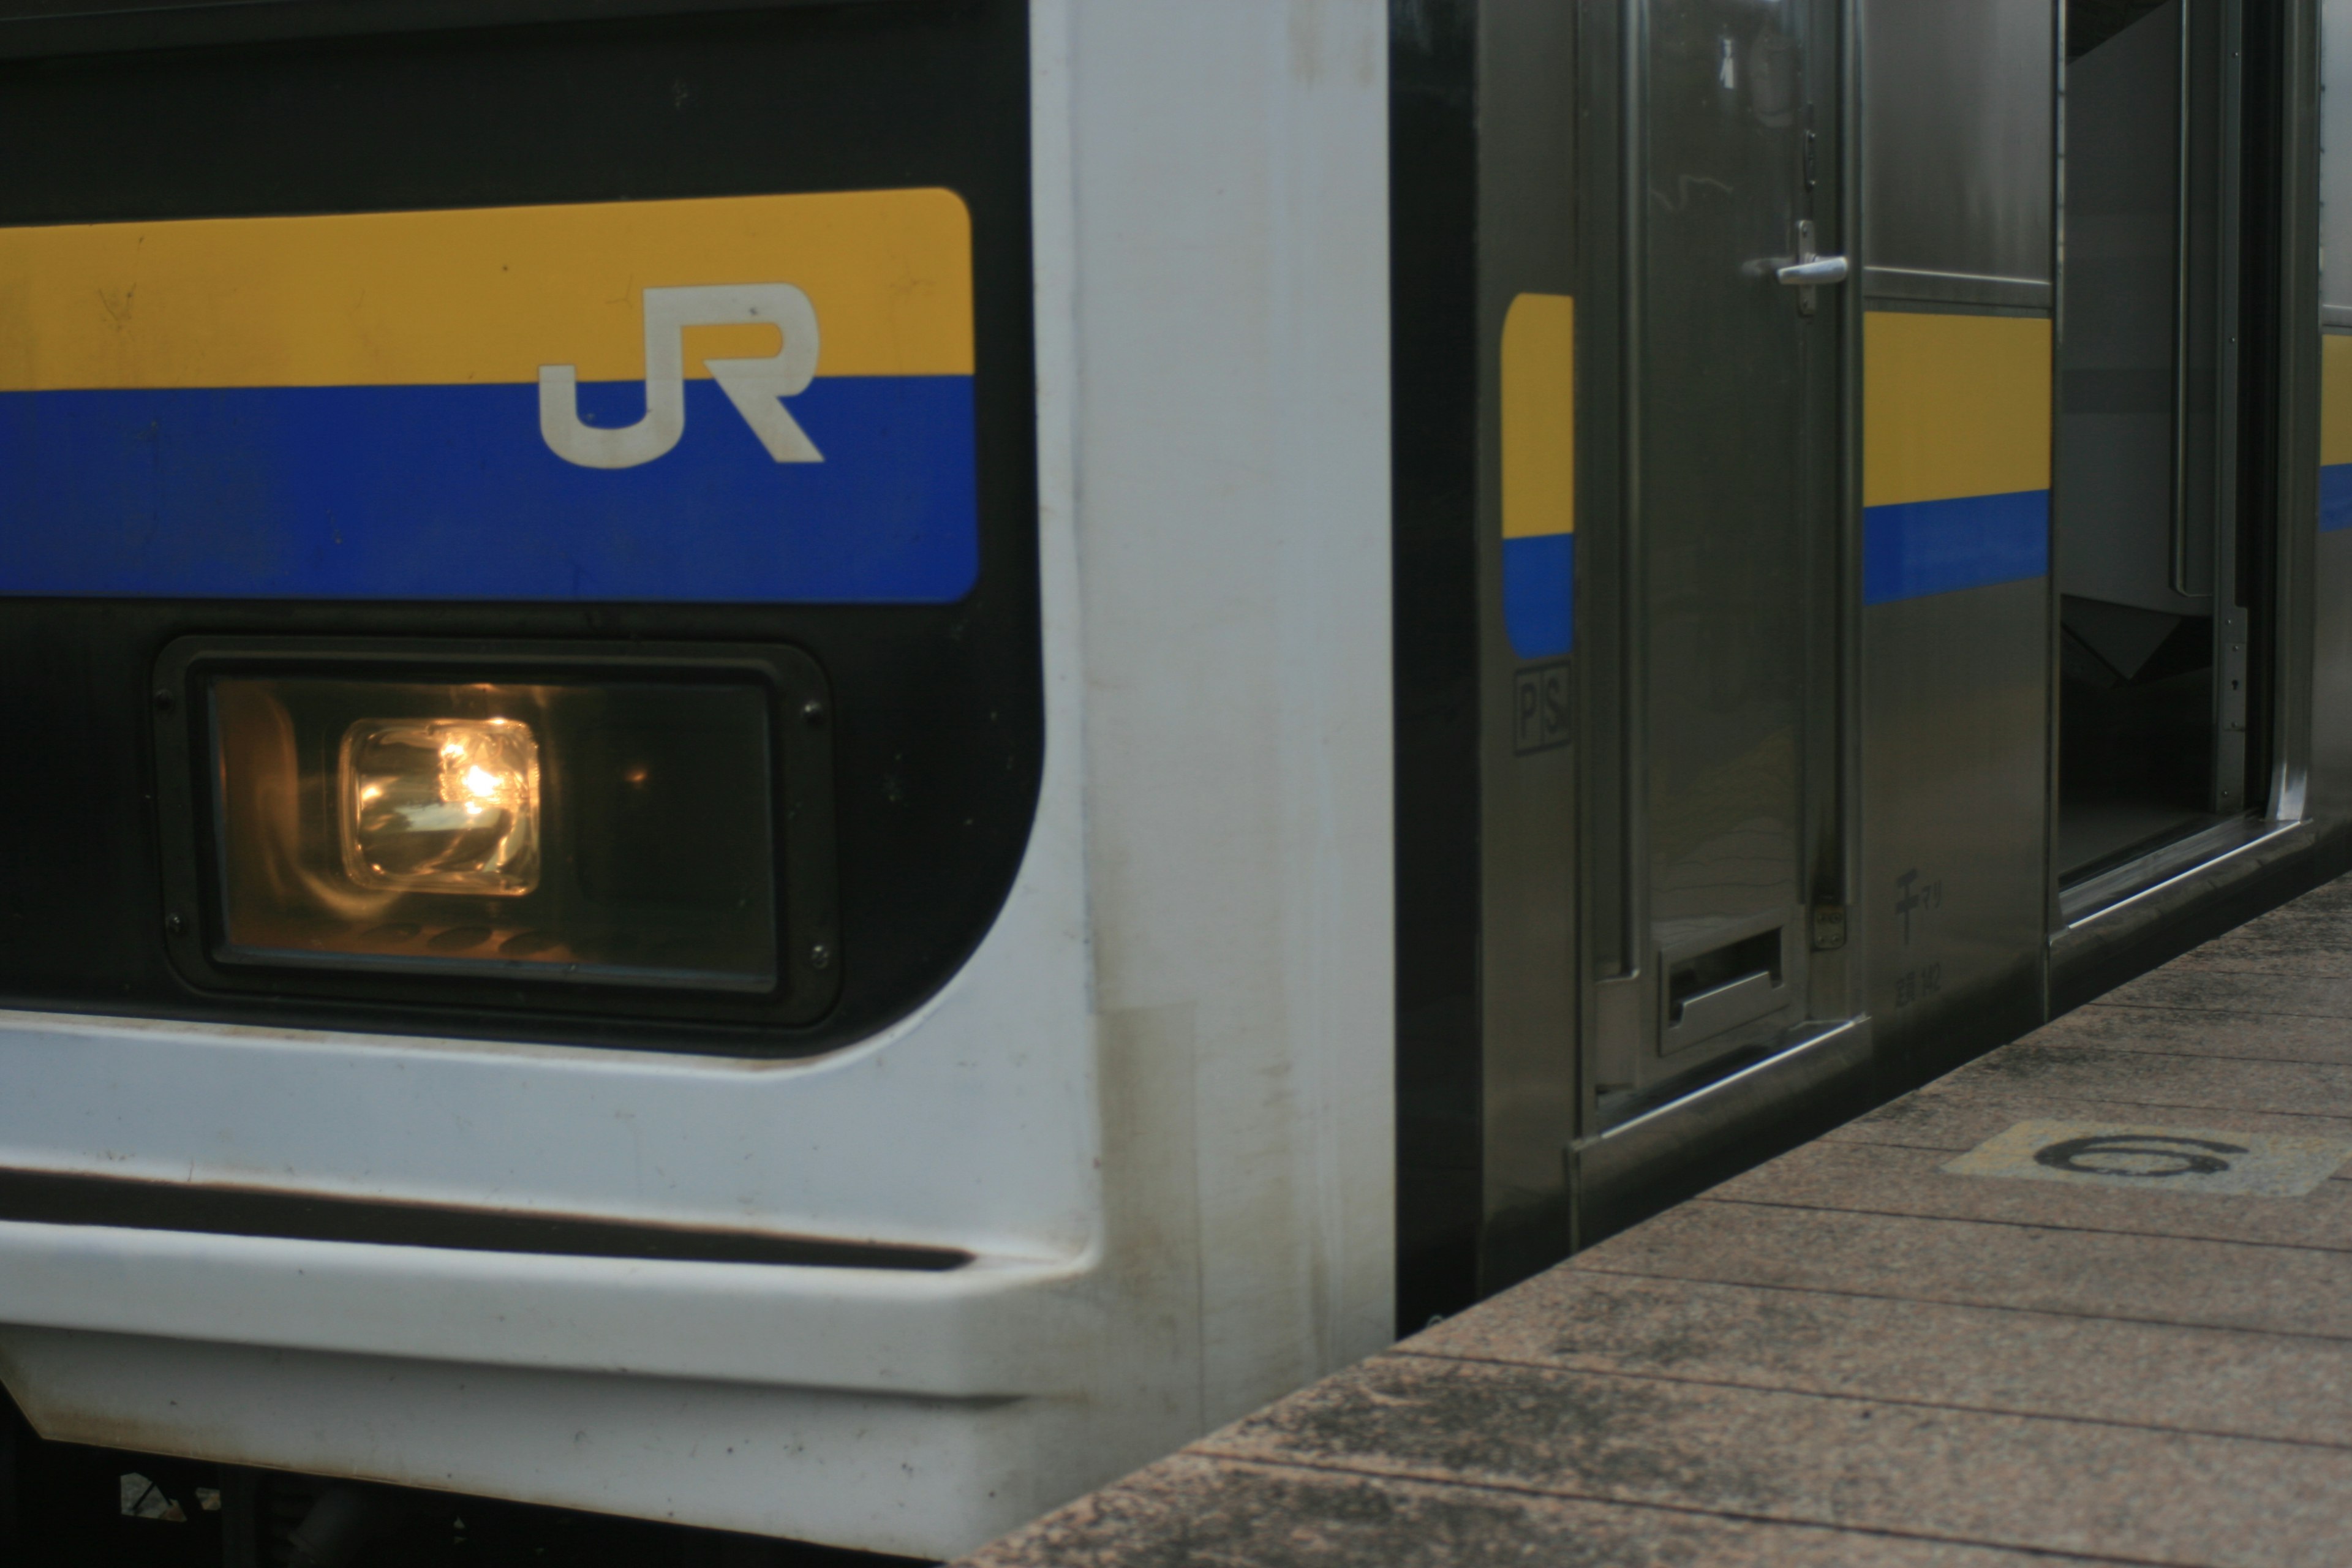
(606, 829)
(442, 805)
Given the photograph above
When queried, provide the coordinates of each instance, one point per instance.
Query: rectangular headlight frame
(645, 830)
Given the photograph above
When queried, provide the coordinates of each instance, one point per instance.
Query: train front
(547, 955)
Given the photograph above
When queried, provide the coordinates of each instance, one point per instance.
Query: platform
(1936, 1336)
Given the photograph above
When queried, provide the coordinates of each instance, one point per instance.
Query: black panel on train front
(937, 728)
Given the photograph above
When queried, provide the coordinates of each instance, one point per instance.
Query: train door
(2155, 628)
(1736, 319)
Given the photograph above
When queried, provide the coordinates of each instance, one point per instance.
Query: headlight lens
(442, 805)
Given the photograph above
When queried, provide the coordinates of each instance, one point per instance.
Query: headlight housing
(395, 819)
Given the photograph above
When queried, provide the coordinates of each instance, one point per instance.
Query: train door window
(2154, 627)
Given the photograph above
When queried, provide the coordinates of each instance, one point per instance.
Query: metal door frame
(2276, 663)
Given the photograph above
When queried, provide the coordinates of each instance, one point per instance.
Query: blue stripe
(448, 492)
(2334, 496)
(1918, 548)
(1539, 595)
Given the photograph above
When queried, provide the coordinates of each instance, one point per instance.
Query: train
(818, 767)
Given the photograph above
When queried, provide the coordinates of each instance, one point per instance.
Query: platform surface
(1857, 1354)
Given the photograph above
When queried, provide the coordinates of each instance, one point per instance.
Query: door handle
(1810, 270)
(1808, 274)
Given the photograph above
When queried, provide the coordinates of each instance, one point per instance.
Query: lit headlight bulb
(441, 806)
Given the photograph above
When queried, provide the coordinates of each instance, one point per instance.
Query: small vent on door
(1723, 987)
(1695, 979)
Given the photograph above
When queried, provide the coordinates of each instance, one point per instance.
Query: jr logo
(754, 385)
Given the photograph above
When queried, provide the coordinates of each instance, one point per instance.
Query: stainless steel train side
(1938, 645)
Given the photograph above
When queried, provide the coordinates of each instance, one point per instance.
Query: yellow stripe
(1539, 416)
(480, 295)
(2336, 399)
(1953, 406)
